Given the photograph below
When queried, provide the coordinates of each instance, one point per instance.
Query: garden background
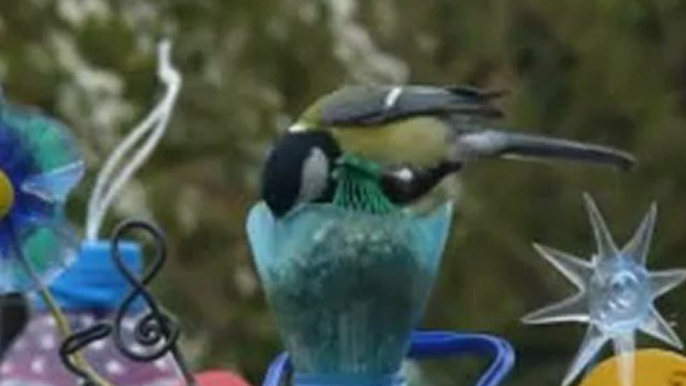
(606, 71)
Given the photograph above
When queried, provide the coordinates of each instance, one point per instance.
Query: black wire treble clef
(156, 330)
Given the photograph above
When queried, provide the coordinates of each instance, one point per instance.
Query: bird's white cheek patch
(314, 176)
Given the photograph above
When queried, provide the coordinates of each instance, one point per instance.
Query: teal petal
(51, 144)
(48, 248)
(43, 162)
(55, 185)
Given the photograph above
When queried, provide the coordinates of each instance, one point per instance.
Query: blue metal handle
(277, 370)
(435, 344)
(438, 344)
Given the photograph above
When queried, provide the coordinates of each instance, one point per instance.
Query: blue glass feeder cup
(347, 287)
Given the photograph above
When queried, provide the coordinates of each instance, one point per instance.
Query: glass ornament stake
(78, 362)
(40, 163)
(616, 295)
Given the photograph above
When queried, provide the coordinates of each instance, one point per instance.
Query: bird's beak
(502, 144)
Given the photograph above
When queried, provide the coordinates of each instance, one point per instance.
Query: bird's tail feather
(502, 144)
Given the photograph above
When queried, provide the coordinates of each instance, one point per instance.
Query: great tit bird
(418, 134)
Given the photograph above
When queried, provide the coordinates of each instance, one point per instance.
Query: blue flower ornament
(40, 163)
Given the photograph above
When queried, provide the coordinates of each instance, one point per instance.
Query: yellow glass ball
(6, 194)
(652, 367)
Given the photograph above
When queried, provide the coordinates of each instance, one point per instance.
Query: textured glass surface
(347, 287)
(616, 295)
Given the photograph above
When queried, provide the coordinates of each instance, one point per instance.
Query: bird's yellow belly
(418, 141)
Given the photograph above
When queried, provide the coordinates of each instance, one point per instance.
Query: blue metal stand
(434, 345)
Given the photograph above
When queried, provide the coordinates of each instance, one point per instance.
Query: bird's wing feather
(359, 106)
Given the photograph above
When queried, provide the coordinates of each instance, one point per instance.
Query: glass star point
(615, 295)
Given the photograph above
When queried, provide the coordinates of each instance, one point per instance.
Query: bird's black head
(298, 170)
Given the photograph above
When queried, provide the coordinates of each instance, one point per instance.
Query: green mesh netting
(358, 186)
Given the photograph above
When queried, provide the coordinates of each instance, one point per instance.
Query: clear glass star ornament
(616, 295)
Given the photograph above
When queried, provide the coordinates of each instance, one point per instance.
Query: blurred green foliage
(606, 71)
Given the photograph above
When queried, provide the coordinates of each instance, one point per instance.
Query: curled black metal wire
(156, 330)
(78, 341)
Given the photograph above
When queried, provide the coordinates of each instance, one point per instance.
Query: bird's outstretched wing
(374, 105)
